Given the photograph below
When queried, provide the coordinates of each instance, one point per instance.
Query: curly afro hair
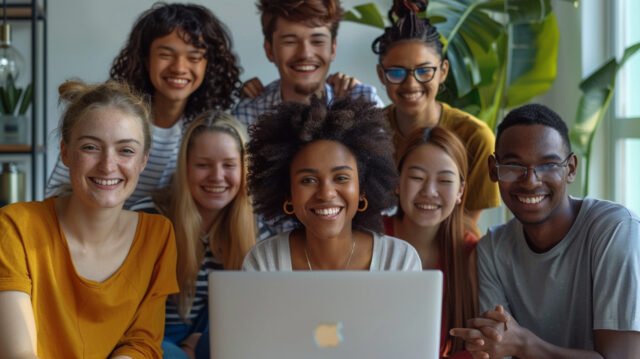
(356, 123)
(198, 27)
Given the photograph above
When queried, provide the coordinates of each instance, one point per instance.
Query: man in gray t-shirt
(562, 279)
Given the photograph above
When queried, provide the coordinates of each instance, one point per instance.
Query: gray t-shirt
(589, 280)
(389, 254)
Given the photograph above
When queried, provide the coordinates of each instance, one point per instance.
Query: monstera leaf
(597, 92)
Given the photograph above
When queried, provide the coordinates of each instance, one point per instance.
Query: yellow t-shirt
(479, 140)
(80, 318)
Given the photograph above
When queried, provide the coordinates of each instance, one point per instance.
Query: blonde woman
(209, 205)
(79, 276)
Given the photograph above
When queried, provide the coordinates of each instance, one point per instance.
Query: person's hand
(189, 344)
(495, 334)
(342, 84)
(252, 88)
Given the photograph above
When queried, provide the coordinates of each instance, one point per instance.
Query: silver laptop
(342, 315)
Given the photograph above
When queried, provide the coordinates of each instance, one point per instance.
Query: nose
(429, 188)
(304, 50)
(531, 177)
(107, 162)
(216, 173)
(326, 191)
(179, 64)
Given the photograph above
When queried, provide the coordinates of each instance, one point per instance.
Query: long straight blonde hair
(233, 231)
(459, 265)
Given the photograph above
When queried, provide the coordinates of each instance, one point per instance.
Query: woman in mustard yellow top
(79, 276)
(412, 68)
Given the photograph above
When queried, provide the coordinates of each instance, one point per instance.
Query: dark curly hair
(198, 27)
(406, 25)
(356, 123)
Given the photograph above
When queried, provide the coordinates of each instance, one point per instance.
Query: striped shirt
(248, 110)
(163, 155)
(209, 263)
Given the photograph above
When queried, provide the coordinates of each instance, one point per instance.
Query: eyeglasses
(397, 75)
(545, 172)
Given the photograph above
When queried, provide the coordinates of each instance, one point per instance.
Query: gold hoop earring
(285, 209)
(364, 206)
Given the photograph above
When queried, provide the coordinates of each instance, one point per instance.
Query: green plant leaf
(597, 93)
(534, 58)
(26, 99)
(365, 14)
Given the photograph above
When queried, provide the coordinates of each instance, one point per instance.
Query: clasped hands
(495, 334)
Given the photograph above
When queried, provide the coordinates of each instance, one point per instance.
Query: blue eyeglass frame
(407, 72)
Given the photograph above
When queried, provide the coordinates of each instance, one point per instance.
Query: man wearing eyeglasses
(300, 40)
(561, 279)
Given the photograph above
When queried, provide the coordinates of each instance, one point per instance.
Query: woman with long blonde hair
(209, 205)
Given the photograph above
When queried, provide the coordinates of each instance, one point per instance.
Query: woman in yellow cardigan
(79, 276)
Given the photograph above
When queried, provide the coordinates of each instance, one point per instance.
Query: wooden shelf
(19, 11)
(14, 148)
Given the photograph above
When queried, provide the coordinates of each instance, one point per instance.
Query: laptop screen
(325, 314)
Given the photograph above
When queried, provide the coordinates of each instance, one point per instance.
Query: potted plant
(14, 103)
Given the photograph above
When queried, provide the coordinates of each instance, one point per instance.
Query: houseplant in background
(14, 103)
(597, 92)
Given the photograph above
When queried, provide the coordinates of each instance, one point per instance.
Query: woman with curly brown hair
(328, 169)
(179, 56)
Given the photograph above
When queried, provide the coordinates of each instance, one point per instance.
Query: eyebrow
(414, 167)
(417, 66)
(313, 35)
(334, 169)
(190, 51)
(125, 140)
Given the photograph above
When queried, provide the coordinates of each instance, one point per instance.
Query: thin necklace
(353, 248)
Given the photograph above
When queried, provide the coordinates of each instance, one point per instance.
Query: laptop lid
(325, 314)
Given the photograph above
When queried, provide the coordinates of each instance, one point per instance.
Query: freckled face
(105, 156)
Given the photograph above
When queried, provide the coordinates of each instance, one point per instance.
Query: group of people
(161, 179)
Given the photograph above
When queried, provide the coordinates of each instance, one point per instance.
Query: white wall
(85, 36)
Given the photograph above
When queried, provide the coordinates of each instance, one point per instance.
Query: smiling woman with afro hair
(329, 171)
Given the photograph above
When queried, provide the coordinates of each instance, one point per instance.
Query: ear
(460, 193)
(64, 153)
(145, 159)
(444, 69)
(493, 171)
(268, 50)
(572, 164)
(380, 72)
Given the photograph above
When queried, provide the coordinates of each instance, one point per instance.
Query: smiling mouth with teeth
(177, 81)
(327, 211)
(427, 206)
(215, 189)
(106, 182)
(531, 200)
(305, 68)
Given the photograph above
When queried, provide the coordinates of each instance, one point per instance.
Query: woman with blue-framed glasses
(413, 70)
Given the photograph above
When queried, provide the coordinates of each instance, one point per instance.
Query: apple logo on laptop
(328, 335)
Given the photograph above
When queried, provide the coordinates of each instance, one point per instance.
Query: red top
(470, 241)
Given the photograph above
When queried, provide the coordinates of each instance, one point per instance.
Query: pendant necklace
(353, 248)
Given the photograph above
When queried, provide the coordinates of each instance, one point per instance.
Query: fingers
(252, 88)
(468, 335)
(341, 83)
